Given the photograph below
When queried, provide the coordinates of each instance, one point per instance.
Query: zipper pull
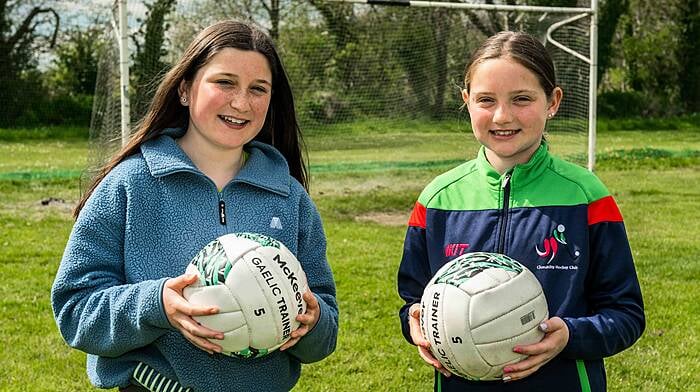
(506, 179)
(222, 212)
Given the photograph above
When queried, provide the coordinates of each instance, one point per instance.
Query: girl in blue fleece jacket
(219, 151)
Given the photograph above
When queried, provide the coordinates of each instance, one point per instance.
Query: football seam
(471, 336)
(271, 304)
(238, 301)
(505, 313)
(509, 338)
(449, 346)
(500, 364)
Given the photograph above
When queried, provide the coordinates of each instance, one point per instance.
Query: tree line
(343, 60)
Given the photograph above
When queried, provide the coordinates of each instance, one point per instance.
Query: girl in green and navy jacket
(554, 217)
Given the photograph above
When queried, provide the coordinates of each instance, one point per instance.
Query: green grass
(662, 218)
(42, 156)
(365, 179)
(62, 132)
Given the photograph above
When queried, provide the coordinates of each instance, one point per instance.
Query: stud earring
(550, 115)
(183, 100)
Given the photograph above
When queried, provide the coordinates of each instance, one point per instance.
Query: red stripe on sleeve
(417, 216)
(603, 210)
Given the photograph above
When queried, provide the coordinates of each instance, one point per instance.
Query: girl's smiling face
(229, 99)
(508, 109)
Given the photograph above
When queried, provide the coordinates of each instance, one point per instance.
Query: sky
(81, 12)
(78, 13)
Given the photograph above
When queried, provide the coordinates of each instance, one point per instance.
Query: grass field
(364, 180)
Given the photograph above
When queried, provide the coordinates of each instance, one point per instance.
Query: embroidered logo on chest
(551, 245)
(275, 223)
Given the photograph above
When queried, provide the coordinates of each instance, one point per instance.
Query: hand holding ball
(476, 308)
(257, 284)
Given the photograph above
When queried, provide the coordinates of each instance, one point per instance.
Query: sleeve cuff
(154, 308)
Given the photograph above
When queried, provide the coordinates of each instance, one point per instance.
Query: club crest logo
(551, 245)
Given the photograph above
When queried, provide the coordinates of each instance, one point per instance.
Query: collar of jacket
(522, 174)
(265, 168)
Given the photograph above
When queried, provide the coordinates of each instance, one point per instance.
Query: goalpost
(590, 12)
(350, 60)
(124, 71)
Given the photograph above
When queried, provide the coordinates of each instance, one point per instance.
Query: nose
(502, 114)
(240, 101)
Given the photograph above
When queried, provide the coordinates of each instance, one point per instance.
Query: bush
(64, 109)
(620, 104)
(639, 123)
(324, 107)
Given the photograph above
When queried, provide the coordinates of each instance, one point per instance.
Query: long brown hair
(281, 128)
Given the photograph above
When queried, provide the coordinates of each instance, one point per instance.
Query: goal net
(349, 61)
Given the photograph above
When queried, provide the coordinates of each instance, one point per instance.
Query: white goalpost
(359, 60)
(124, 71)
(591, 59)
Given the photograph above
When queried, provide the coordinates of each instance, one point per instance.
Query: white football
(257, 284)
(476, 308)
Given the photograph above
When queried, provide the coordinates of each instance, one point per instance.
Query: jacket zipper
(504, 214)
(222, 204)
(222, 210)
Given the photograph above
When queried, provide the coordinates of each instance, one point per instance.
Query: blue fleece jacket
(142, 225)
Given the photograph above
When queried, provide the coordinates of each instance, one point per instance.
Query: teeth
(505, 132)
(232, 120)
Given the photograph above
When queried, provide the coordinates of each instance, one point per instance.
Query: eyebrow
(511, 92)
(230, 75)
(525, 91)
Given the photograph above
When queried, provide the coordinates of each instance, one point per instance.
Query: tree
(18, 43)
(426, 67)
(650, 55)
(441, 33)
(148, 66)
(74, 69)
(267, 14)
(689, 55)
(340, 20)
(342, 24)
(273, 9)
(487, 24)
(608, 17)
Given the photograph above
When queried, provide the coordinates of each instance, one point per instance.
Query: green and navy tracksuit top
(561, 222)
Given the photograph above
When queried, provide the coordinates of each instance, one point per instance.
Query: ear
(183, 90)
(465, 96)
(557, 95)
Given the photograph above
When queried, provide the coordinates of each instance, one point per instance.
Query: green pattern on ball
(212, 264)
(469, 265)
(263, 240)
(250, 352)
